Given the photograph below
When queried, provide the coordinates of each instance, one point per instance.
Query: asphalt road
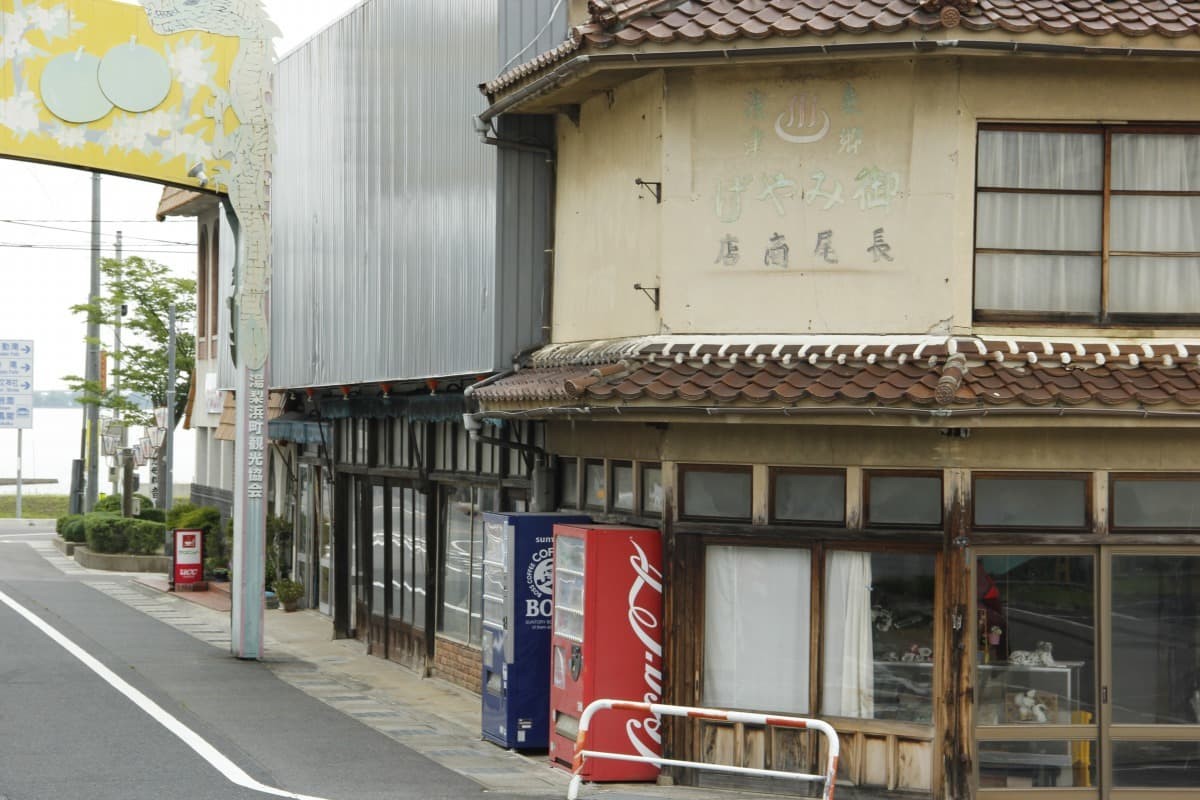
(67, 732)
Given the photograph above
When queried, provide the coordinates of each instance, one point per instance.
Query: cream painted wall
(874, 158)
(608, 229)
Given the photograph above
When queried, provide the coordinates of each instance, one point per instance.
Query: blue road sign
(16, 383)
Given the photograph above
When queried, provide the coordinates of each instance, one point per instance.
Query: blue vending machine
(518, 582)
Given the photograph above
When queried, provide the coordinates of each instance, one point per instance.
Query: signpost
(189, 558)
(16, 393)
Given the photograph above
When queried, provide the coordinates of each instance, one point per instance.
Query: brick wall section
(458, 663)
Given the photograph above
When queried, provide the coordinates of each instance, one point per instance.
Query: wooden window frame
(739, 469)
(869, 474)
(1103, 317)
(775, 472)
(1113, 477)
(1088, 489)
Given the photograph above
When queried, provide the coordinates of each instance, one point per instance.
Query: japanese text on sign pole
(16, 383)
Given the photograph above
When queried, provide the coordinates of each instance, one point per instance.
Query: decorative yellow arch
(176, 92)
(90, 83)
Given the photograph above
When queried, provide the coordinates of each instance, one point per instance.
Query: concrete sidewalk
(431, 716)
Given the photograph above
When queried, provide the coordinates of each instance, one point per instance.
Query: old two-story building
(888, 316)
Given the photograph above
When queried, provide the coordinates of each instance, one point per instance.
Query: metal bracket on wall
(655, 188)
(646, 290)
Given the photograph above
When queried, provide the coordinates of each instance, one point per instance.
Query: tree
(146, 290)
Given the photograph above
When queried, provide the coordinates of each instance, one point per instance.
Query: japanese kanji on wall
(801, 175)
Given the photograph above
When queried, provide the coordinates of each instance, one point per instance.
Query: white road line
(231, 771)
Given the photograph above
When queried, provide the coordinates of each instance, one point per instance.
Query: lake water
(48, 448)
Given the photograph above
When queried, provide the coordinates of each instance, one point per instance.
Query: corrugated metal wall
(524, 228)
(529, 28)
(384, 198)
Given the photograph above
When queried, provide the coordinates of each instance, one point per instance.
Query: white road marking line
(232, 772)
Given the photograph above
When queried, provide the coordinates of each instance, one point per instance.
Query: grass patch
(35, 506)
(44, 506)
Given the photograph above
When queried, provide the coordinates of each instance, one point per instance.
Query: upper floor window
(1089, 224)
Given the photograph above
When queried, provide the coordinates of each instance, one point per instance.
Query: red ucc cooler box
(606, 643)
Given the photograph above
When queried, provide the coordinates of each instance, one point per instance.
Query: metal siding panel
(384, 198)
(527, 29)
(523, 235)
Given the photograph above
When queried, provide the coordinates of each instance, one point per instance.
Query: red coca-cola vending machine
(606, 643)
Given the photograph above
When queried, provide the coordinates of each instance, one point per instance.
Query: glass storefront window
(401, 531)
(1170, 504)
(652, 490)
(878, 636)
(904, 500)
(463, 561)
(1029, 502)
(593, 484)
(1036, 634)
(716, 493)
(378, 544)
(568, 487)
(808, 496)
(1037, 764)
(622, 487)
(458, 514)
(1159, 765)
(1156, 640)
(756, 628)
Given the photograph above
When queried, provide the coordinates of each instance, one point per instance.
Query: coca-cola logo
(644, 734)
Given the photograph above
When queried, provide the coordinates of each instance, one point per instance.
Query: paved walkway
(431, 716)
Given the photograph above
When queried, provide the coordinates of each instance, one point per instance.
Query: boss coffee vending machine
(607, 644)
(517, 583)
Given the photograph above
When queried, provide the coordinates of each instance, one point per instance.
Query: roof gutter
(564, 72)
(930, 414)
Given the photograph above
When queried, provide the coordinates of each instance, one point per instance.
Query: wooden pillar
(954, 710)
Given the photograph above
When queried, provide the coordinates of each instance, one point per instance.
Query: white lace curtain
(1144, 228)
(848, 683)
(756, 628)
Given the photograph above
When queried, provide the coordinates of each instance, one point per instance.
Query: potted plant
(289, 593)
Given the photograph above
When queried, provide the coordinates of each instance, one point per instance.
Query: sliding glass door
(1088, 673)
(1152, 739)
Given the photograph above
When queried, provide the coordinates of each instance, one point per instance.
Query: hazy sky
(50, 209)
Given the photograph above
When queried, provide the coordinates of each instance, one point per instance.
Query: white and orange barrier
(828, 778)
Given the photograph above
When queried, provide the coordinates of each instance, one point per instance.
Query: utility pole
(168, 476)
(92, 370)
(118, 474)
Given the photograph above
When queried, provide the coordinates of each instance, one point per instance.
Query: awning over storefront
(882, 375)
(418, 408)
(296, 426)
(226, 427)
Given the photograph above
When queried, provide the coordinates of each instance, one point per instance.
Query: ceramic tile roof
(869, 372)
(692, 22)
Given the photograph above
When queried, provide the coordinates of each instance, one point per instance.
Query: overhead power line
(83, 232)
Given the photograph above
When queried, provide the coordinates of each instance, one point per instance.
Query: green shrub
(62, 521)
(105, 532)
(145, 537)
(71, 528)
(108, 502)
(153, 514)
(177, 512)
